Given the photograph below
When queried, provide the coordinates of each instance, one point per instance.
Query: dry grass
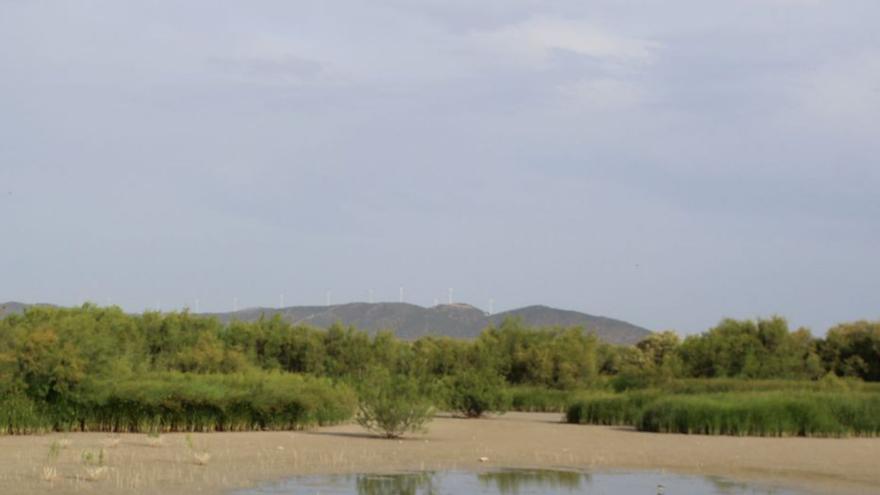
(95, 473)
(201, 458)
(49, 474)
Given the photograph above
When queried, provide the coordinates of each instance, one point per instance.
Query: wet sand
(527, 440)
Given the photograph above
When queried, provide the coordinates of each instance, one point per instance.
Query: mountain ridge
(410, 321)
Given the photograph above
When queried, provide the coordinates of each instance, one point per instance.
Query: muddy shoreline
(136, 465)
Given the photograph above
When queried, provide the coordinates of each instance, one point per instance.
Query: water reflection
(504, 482)
(403, 484)
(511, 482)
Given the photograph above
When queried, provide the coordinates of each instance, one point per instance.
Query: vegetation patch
(774, 413)
(100, 369)
(393, 405)
(610, 408)
(474, 393)
(765, 414)
(172, 401)
(539, 399)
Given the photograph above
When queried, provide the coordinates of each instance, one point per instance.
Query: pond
(511, 482)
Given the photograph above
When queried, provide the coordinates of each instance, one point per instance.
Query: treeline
(93, 368)
(757, 349)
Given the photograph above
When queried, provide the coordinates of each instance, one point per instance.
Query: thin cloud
(536, 40)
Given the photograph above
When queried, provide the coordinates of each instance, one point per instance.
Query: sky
(669, 163)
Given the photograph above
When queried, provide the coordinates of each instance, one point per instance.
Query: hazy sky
(664, 162)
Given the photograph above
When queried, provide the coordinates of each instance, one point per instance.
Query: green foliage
(184, 402)
(765, 414)
(20, 414)
(92, 368)
(758, 349)
(476, 392)
(730, 407)
(233, 402)
(393, 404)
(555, 357)
(853, 350)
(829, 383)
(540, 399)
(610, 409)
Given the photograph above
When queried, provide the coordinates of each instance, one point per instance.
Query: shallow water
(511, 482)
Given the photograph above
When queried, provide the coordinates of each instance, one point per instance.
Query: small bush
(393, 405)
(476, 392)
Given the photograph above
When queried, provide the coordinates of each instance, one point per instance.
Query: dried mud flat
(137, 465)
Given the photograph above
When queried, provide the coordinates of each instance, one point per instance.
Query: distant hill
(607, 329)
(409, 321)
(13, 308)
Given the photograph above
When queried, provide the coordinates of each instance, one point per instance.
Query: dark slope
(407, 321)
(607, 329)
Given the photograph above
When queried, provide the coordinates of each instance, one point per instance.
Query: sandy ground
(513, 440)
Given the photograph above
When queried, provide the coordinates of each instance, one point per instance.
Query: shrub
(392, 405)
(476, 392)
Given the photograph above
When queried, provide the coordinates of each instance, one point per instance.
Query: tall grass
(609, 408)
(765, 414)
(186, 402)
(20, 415)
(541, 399)
(725, 385)
(796, 412)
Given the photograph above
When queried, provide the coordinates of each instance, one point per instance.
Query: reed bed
(727, 385)
(773, 413)
(541, 399)
(169, 402)
(609, 408)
